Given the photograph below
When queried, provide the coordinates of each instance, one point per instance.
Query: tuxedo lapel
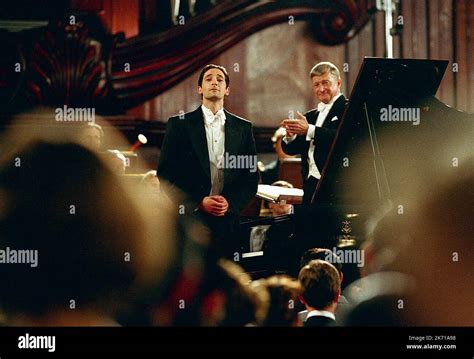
(312, 116)
(335, 110)
(197, 134)
(233, 139)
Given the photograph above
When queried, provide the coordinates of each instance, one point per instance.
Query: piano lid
(395, 138)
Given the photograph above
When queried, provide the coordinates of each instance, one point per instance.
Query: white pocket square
(334, 118)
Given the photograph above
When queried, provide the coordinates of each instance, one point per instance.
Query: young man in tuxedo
(311, 135)
(209, 154)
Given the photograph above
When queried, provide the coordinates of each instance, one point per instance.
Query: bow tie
(323, 106)
(219, 117)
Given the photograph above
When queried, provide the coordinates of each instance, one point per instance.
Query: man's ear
(227, 91)
(200, 90)
(336, 298)
(300, 297)
(339, 83)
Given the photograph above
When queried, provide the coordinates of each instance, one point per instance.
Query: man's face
(325, 87)
(279, 209)
(213, 85)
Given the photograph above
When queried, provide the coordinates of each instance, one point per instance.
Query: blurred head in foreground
(440, 253)
(420, 262)
(283, 294)
(87, 241)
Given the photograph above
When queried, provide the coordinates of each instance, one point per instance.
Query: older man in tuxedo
(209, 154)
(311, 135)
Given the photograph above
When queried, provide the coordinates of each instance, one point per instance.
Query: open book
(281, 195)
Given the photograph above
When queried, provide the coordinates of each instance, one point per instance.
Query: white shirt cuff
(287, 139)
(310, 133)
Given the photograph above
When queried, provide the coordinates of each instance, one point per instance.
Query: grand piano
(394, 142)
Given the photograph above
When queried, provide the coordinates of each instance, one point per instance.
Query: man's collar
(320, 313)
(208, 113)
(322, 105)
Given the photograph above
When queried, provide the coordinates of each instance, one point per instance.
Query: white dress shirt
(215, 135)
(323, 109)
(258, 236)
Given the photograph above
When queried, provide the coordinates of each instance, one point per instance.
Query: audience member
(89, 243)
(331, 257)
(283, 292)
(321, 288)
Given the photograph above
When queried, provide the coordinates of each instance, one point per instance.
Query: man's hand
(214, 205)
(297, 126)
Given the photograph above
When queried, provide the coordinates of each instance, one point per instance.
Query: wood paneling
(117, 15)
(467, 73)
(378, 37)
(237, 67)
(420, 30)
(407, 51)
(461, 55)
(122, 16)
(445, 44)
(470, 52)
(415, 29)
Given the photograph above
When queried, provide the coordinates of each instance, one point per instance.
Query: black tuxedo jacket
(319, 321)
(323, 137)
(184, 159)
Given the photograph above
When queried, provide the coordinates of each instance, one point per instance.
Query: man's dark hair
(323, 254)
(320, 283)
(212, 66)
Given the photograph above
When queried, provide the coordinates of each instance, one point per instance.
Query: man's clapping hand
(298, 126)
